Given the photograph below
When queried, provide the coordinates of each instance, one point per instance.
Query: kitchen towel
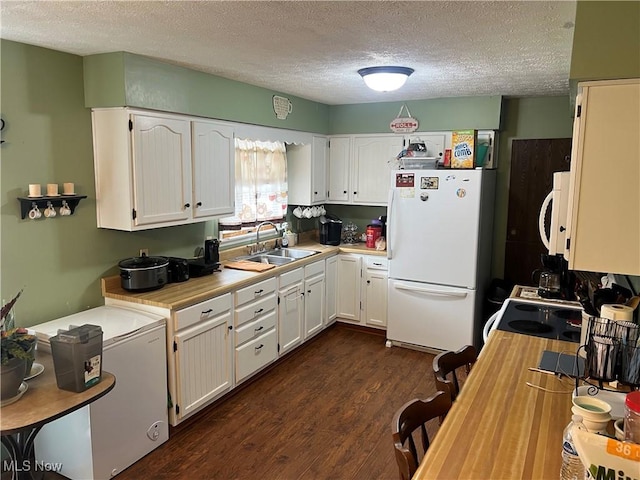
(616, 312)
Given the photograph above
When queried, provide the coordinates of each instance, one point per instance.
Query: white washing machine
(107, 436)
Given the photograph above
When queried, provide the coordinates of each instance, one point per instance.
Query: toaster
(178, 270)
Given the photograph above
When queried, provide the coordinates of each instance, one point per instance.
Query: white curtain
(261, 180)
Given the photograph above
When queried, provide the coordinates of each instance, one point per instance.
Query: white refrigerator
(439, 245)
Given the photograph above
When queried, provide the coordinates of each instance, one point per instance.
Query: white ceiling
(313, 49)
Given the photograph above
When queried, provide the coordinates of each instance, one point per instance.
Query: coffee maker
(555, 280)
(330, 230)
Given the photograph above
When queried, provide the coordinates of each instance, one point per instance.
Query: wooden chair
(445, 365)
(412, 416)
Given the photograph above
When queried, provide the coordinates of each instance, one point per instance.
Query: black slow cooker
(142, 274)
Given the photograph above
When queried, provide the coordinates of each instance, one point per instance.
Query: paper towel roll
(617, 312)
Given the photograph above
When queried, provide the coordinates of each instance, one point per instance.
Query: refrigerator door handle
(390, 217)
(428, 291)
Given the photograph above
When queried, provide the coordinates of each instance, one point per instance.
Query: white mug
(306, 213)
(50, 212)
(64, 209)
(35, 213)
(297, 212)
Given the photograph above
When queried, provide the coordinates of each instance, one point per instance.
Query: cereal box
(463, 148)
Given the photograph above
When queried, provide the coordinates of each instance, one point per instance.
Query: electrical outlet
(144, 251)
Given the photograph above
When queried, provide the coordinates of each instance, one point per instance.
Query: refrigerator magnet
(429, 183)
(461, 193)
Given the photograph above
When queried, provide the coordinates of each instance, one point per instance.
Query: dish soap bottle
(285, 230)
(572, 467)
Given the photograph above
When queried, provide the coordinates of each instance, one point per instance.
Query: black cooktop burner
(527, 307)
(530, 326)
(542, 319)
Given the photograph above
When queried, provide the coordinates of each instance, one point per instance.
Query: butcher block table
(499, 427)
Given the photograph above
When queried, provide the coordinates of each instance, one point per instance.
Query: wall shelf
(27, 203)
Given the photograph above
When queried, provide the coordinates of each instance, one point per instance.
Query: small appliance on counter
(178, 270)
(330, 230)
(555, 280)
(207, 264)
(141, 274)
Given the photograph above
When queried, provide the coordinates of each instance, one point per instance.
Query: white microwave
(559, 200)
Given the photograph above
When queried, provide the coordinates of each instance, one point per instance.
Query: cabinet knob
(199, 204)
(355, 193)
(187, 205)
(230, 327)
(344, 191)
(315, 193)
(308, 291)
(368, 282)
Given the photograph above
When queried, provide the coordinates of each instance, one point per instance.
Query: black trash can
(498, 291)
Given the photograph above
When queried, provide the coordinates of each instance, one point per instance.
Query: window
(260, 187)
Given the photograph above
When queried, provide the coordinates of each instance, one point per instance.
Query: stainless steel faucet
(260, 249)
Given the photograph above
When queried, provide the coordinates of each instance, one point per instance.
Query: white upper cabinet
(339, 169)
(147, 175)
(371, 169)
(307, 172)
(213, 168)
(603, 234)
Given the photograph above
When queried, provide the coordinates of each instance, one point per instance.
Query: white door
(319, 172)
(203, 363)
(371, 157)
(213, 169)
(432, 226)
(162, 169)
(430, 316)
(290, 315)
(348, 292)
(339, 156)
(331, 279)
(375, 298)
(313, 305)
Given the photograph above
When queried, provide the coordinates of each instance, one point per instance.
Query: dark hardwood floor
(324, 412)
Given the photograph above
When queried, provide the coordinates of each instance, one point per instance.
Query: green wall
(124, 79)
(480, 113)
(58, 261)
(540, 117)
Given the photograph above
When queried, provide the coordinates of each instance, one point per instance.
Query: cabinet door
(313, 305)
(162, 169)
(290, 315)
(319, 169)
(213, 169)
(604, 230)
(203, 356)
(371, 156)
(348, 291)
(339, 168)
(331, 286)
(375, 298)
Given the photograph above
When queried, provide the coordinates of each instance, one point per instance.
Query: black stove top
(559, 322)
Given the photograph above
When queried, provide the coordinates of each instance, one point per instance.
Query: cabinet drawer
(256, 328)
(314, 269)
(202, 311)
(255, 354)
(289, 278)
(374, 262)
(253, 310)
(256, 290)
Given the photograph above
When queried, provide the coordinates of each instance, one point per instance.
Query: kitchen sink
(279, 256)
(293, 253)
(270, 259)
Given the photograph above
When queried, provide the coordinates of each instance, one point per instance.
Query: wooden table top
(44, 402)
(500, 428)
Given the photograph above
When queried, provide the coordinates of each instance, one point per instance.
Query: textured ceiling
(313, 49)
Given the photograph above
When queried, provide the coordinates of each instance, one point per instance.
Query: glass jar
(632, 417)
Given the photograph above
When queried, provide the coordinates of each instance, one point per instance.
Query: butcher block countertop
(180, 295)
(500, 428)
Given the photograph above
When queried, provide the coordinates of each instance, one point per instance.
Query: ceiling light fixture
(385, 79)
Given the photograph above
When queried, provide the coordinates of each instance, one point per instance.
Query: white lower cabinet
(331, 285)
(290, 310)
(256, 340)
(201, 357)
(362, 290)
(314, 300)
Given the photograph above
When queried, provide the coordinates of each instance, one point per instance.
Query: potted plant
(16, 352)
